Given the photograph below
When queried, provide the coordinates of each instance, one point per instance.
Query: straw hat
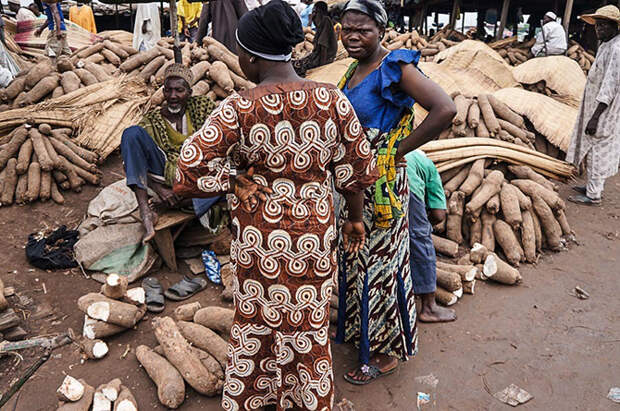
(610, 12)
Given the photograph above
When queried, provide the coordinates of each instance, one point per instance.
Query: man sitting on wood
(551, 41)
(150, 150)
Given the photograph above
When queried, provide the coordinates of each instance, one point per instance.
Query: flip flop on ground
(154, 294)
(186, 288)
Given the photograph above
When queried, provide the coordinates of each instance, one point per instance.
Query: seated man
(150, 150)
(551, 40)
(426, 192)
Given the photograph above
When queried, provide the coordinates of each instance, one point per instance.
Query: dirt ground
(562, 350)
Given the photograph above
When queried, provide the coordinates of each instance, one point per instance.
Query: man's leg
(141, 156)
(593, 189)
(423, 264)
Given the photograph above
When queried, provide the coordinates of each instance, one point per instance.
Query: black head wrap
(270, 31)
(371, 8)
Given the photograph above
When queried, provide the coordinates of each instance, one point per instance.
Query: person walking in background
(147, 26)
(596, 136)
(551, 40)
(224, 16)
(56, 44)
(296, 139)
(426, 193)
(377, 306)
(82, 15)
(325, 41)
(189, 17)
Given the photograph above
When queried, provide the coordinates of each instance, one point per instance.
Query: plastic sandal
(154, 295)
(186, 288)
(369, 371)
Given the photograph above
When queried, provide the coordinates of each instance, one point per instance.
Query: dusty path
(564, 351)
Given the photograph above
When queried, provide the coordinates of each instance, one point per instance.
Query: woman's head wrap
(371, 8)
(270, 31)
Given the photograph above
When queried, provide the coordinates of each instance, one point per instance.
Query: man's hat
(180, 71)
(551, 15)
(610, 12)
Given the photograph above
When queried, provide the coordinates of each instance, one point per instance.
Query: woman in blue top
(377, 308)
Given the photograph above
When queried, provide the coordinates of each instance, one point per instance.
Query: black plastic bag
(54, 251)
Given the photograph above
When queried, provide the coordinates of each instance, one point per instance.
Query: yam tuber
(111, 389)
(37, 73)
(504, 112)
(444, 297)
(526, 173)
(199, 70)
(86, 77)
(475, 232)
(507, 240)
(462, 104)
(493, 205)
(205, 339)
(201, 88)
(481, 130)
(488, 236)
(491, 185)
(510, 205)
(13, 89)
(219, 52)
(478, 253)
(178, 352)
(116, 49)
(210, 363)
(473, 115)
(93, 349)
(98, 71)
(87, 155)
(125, 401)
(89, 51)
(455, 217)
(18, 137)
(152, 67)
(563, 221)
(498, 270)
(3, 303)
(450, 281)
(215, 318)
(38, 145)
(466, 272)
(70, 390)
(240, 82)
(69, 82)
(84, 403)
(474, 178)
(469, 287)
(532, 189)
(549, 225)
(528, 237)
(95, 329)
(219, 73)
(115, 286)
(42, 89)
(488, 115)
(56, 195)
(100, 307)
(23, 157)
(34, 182)
(139, 59)
(443, 246)
(21, 188)
(455, 182)
(169, 382)
(111, 57)
(186, 312)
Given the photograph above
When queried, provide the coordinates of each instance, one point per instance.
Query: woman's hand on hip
(248, 191)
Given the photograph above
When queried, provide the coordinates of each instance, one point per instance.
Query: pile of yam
(192, 349)
(37, 163)
(428, 48)
(506, 214)
(114, 310)
(305, 47)
(78, 395)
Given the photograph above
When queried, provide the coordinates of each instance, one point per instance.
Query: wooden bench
(170, 224)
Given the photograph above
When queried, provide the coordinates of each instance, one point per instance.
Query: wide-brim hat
(610, 12)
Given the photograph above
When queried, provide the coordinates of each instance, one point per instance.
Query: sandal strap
(371, 371)
(185, 287)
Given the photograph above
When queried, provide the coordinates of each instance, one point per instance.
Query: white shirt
(148, 12)
(252, 4)
(555, 38)
(24, 14)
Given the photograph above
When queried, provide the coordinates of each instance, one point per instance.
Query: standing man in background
(56, 44)
(147, 27)
(596, 137)
(188, 15)
(83, 16)
(224, 16)
(551, 40)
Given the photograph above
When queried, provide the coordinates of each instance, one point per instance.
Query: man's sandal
(582, 199)
(186, 288)
(370, 371)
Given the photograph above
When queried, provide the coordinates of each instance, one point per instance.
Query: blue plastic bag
(212, 266)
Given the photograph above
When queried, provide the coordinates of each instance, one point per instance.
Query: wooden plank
(8, 319)
(171, 218)
(502, 22)
(567, 15)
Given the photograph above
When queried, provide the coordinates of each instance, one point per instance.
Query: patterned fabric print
(283, 254)
(377, 307)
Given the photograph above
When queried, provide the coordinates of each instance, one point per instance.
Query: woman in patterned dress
(294, 137)
(377, 309)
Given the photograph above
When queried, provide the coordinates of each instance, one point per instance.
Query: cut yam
(478, 254)
(442, 246)
(445, 298)
(111, 389)
(186, 312)
(510, 205)
(498, 270)
(93, 349)
(466, 272)
(83, 404)
(70, 390)
(507, 240)
(448, 280)
(217, 319)
(96, 329)
(115, 286)
(125, 401)
(135, 296)
(469, 287)
(100, 307)
(169, 382)
(178, 352)
(205, 339)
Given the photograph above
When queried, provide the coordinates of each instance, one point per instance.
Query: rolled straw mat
(550, 118)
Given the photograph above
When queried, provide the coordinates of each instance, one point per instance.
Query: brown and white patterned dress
(300, 137)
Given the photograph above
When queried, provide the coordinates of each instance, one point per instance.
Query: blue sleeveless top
(377, 100)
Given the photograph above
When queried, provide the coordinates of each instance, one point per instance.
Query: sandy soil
(563, 350)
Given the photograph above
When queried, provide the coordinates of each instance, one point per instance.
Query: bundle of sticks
(192, 348)
(38, 162)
